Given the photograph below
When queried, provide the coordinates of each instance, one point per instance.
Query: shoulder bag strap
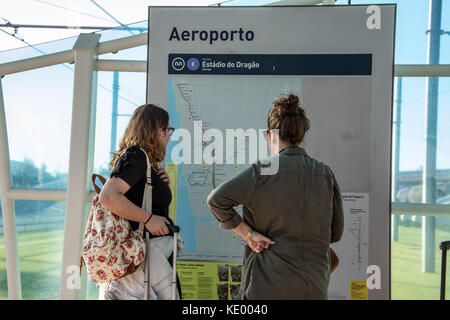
(147, 206)
(96, 187)
(147, 199)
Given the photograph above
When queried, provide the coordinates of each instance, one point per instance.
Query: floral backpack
(111, 249)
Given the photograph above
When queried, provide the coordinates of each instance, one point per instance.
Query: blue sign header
(272, 64)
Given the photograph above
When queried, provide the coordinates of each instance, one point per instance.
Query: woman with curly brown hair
(148, 131)
(289, 218)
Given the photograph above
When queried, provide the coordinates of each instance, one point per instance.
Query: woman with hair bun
(289, 218)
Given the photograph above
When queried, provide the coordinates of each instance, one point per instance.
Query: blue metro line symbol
(193, 64)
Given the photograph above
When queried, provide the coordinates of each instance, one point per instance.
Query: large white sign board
(225, 65)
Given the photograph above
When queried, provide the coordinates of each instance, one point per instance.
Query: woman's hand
(157, 225)
(163, 175)
(258, 242)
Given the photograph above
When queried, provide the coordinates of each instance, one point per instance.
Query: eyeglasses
(171, 130)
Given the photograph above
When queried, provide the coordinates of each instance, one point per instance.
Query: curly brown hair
(142, 130)
(289, 118)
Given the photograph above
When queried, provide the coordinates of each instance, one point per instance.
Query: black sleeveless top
(132, 168)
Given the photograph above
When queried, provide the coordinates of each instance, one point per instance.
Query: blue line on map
(197, 184)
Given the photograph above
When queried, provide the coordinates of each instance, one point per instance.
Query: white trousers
(131, 287)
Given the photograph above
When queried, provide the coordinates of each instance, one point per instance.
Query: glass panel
(37, 50)
(92, 290)
(407, 279)
(40, 233)
(412, 148)
(445, 43)
(415, 254)
(3, 280)
(137, 53)
(125, 31)
(129, 95)
(38, 114)
(411, 39)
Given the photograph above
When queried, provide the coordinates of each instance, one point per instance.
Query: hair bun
(288, 104)
(289, 118)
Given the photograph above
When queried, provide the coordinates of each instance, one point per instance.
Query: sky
(83, 13)
(39, 121)
(71, 13)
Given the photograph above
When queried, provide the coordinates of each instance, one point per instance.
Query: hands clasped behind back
(259, 242)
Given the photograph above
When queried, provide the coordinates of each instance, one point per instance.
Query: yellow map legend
(172, 172)
(209, 280)
(358, 290)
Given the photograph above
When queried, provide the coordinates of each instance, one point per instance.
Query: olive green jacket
(300, 208)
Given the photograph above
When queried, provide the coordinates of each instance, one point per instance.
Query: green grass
(40, 255)
(407, 279)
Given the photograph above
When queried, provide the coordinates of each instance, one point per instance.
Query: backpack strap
(147, 198)
(149, 169)
(96, 187)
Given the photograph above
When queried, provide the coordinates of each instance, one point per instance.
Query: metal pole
(82, 138)
(9, 220)
(443, 270)
(174, 266)
(429, 172)
(115, 99)
(147, 268)
(396, 171)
